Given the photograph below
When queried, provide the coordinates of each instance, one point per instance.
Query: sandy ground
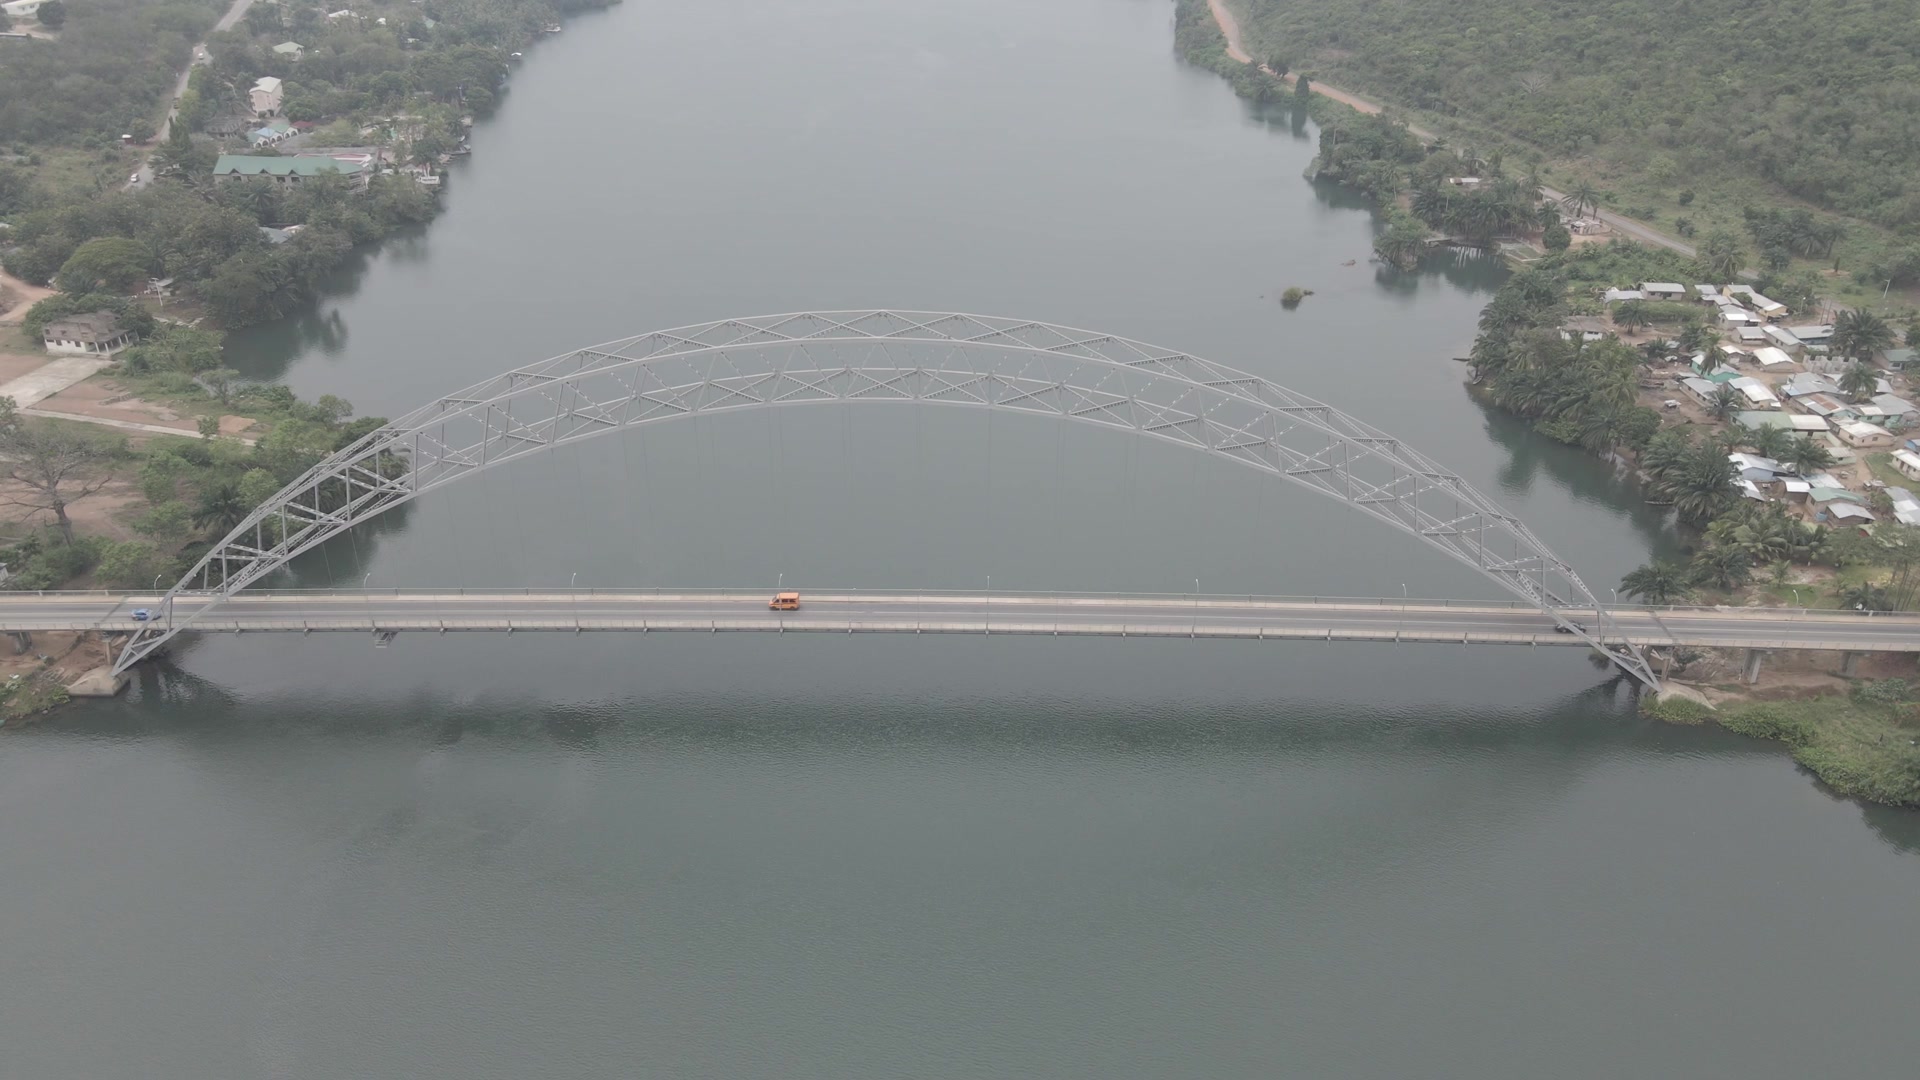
(98, 514)
(106, 399)
(72, 654)
(1788, 675)
(17, 296)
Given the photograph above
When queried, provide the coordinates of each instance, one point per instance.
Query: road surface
(144, 175)
(1458, 622)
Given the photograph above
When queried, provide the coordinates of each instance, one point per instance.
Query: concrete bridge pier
(1752, 672)
(22, 641)
(1850, 664)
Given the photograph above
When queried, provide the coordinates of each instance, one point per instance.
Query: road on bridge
(858, 612)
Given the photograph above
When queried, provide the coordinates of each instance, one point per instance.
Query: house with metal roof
(97, 333)
(287, 170)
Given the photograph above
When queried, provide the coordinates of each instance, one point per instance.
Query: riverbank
(1860, 741)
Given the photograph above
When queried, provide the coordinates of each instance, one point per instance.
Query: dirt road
(1230, 29)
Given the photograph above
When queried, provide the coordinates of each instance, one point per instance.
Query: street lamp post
(1196, 608)
(571, 582)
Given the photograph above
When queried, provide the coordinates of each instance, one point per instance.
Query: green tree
(1632, 315)
(127, 564)
(1401, 243)
(1720, 567)
(111, 264)
(1302, 89)
(1860, 381)
(52, 14)
(1555, 237)
(1860, 334)
(220, 509)
(167, 521)
(1721, 254)
(257, 486)
(1583, 198)
(1807, 456)
(1724, 403)
(1657, 582)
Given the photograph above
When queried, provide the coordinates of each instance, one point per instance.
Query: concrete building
(95, 334)
(292, 50)
(22, 9)
(266, 96)
(1907, 463)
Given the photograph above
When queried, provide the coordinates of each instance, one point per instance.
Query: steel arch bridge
(896, 356)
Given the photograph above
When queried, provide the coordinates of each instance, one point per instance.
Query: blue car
(141, 614)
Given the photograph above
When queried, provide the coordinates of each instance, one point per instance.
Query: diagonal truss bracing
(899, 356)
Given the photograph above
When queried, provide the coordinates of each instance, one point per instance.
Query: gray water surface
(745, 856)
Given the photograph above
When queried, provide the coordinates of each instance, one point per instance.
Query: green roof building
(287, 170)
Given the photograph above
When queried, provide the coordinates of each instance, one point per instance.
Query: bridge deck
(1243, 618)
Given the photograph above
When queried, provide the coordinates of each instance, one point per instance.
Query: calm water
(869, 857)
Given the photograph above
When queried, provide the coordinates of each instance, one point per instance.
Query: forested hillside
(1821, 101)
(105, 73)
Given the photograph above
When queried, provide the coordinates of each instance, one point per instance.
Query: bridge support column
(22, 641)
(1752, 673)
(1850, 664)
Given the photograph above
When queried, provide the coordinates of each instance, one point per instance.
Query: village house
(1663, 290)
(1734, 316)
(1585, 327)
(1906, 508)
(1797, 423)
(1758, 394)
(1708, 293)
(1782, 339)
(1586, 226)
(268, 134)
(292, 50)
(1812, 333)
(94, 334)
(1907, 463)
(1846, 513)
(1862, 435)
(22, 9)
(1772, 358)
(265, 96)
(1615, 295)
(1750, 335)
(1899, 359)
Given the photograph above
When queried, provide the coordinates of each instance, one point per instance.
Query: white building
(22, 9)
(96, 334)
(265, 95)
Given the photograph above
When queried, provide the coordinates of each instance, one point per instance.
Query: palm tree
(1775, 442)
(220, 509)
(1720, 566)
(1860, 334)
(1860, 381)
(1701, 486)
(1632, 315)
(1864, 596)
(1725, 402)
(1698, 337)
(1402, 242)
(1658, 582)
(1582, 198)
(1721, 254)
(1807, 456)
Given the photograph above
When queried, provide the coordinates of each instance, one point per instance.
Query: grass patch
(28, 695)
(1866, 745)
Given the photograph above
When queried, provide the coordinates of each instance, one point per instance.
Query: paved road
(144, 175)
(960, 613)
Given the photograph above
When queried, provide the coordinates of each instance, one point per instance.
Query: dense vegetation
(193, 490)
(105, 76)
(1820, 103)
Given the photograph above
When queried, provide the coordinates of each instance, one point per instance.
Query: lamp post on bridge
(576, 599)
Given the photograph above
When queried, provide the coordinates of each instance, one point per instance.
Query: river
(956, 857)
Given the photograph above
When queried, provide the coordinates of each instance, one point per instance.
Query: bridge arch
(897, 356)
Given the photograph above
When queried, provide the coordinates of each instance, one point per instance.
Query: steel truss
(898, 356)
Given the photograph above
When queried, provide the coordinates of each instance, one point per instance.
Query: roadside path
(144, 174)
(1230, 29)
(38, 386)
(129, 425)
